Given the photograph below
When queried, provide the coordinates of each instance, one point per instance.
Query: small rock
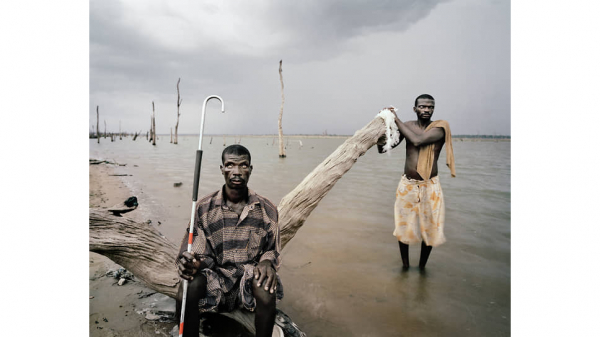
(96, 322)
(159, 223)
(149, 222)
(151, 317)
(91, 297)
(177, 184)
(104, 319)
(175, 331)
(122, 281)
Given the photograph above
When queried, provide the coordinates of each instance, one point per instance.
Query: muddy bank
(130, 309)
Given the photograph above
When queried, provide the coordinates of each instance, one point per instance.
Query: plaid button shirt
(231, 246)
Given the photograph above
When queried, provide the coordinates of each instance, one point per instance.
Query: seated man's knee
(263, 297)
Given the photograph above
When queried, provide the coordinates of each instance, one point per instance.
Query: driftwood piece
(140, 248)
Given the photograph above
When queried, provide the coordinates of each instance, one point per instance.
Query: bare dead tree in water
(153, 126)
(171, 136)
(210, 140)
(98, 123)
(178, 104)
(281, 149)
(105, 129)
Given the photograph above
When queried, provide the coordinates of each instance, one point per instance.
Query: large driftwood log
(297, 205)
(140, 249)
(137, 247)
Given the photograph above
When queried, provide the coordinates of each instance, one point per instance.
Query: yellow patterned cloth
(419, 211)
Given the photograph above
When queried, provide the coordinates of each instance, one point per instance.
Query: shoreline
(459, 139)
(120, 310)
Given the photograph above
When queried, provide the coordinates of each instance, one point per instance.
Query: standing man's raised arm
(416, 139)
(382, 140)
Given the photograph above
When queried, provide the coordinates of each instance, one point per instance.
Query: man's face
(424, 108)
(236, 169)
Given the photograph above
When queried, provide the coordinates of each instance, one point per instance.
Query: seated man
(236, 253)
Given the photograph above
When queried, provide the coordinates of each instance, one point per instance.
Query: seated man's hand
(188, 266)
(266, 276)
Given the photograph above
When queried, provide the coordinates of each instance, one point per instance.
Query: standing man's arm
(418, 139)
(382, 140)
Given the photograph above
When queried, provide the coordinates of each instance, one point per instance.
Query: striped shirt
(231, 246)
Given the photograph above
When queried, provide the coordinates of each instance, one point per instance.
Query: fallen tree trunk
(297, 205)
(137, 247)
(140, 249)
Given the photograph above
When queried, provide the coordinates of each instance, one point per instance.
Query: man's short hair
(237, 150)
(426, 96)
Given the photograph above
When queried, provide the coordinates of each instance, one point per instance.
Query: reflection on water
(342, 271)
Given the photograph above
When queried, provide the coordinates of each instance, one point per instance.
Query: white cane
(194, 199)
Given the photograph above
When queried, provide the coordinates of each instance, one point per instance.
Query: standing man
(236, 253)
(419, 208)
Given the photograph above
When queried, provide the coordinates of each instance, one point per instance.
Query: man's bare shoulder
(440, 123)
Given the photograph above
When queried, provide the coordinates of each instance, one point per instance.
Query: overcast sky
(342, 62)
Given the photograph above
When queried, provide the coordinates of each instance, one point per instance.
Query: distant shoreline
(457, 138)
(466, 138)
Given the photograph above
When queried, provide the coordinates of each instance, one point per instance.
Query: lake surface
(342, 272)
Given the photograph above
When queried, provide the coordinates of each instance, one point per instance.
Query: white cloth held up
(391, 129)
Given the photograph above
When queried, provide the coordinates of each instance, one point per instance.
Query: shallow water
(342, 271)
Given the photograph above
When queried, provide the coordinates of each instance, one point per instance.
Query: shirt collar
(220, 200)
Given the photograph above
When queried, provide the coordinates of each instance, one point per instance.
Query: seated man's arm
(272, 248)
(201, 257)
(270, 260)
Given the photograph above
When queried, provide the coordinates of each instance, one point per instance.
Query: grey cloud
(351, 54)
